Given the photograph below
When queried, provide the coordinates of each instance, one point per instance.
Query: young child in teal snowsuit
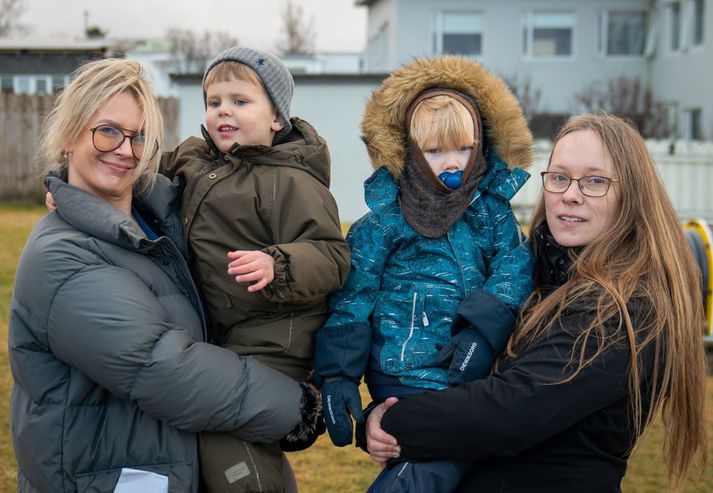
(438, 267)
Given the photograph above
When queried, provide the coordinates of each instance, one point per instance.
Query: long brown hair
(644, 255)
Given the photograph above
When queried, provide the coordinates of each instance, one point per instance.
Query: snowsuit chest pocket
(399, 318)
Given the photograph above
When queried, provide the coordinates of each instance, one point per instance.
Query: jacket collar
(553, 261)
(302, 148)
(96, 217)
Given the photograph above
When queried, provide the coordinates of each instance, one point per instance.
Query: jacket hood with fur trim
(504, 123)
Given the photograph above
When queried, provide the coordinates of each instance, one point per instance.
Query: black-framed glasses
(107, 138)
(591, 186)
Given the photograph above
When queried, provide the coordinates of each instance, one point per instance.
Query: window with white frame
(548, 34)
(698, 24)
(674, 18)
(23, 84)
(43, 85)
(692, 129)
(621, 33)
(458, 33)
(31, 84)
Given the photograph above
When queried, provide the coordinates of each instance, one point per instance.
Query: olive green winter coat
(275, 199)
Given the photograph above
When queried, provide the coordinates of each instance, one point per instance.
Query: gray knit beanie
(274, 75)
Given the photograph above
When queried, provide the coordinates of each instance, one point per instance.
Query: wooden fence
(21, 117)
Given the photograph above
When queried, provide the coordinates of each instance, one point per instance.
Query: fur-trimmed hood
(383, 123)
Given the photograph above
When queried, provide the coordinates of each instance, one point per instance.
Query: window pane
(675, 25)
(552, 42)
(22, 85)
(41, 85)
(552, 33)
(461, 22)
(626, 32)
(461, 33)
(461, 44)
(698, 22)
(6, 84)
(696, 131)
(554, 19)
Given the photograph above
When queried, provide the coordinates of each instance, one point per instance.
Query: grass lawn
(322, 468)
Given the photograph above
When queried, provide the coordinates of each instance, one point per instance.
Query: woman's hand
(49, 202)
(252, 266)
(381, 445)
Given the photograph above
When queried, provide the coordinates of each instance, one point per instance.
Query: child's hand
(467, 355)
(49, 202)
(341, 402)
(252, 265)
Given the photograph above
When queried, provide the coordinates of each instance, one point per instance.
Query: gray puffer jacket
(104, 348)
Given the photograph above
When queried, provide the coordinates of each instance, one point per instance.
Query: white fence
(686, 169)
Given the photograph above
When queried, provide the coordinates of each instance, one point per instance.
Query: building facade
(563, 48)
(38, 66)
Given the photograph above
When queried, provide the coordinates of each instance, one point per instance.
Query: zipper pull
(425, 320)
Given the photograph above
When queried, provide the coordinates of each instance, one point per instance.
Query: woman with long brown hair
(610, 338)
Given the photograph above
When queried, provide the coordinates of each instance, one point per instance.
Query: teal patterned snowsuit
(399, 303)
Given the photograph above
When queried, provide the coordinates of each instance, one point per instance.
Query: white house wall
(558, 79)
(681, 78)
(191, 111)
(382, 13)
(335, 110)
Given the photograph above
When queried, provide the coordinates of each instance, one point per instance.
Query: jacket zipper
(460, 267)
(183, 275)
(413, 323)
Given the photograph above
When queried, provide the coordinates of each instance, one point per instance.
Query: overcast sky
(338, 24)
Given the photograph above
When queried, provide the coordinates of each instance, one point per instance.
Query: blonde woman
(111, 379)
(609, 340)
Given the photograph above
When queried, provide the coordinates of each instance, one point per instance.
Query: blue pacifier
(451, 180)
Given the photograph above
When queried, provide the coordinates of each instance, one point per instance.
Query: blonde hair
(223, 71)
(442, 120)
(94, 84)
(644, 255)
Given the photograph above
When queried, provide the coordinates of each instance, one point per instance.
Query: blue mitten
(468, 356)
(340, 400)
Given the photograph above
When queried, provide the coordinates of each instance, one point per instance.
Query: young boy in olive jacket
(264, 238)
